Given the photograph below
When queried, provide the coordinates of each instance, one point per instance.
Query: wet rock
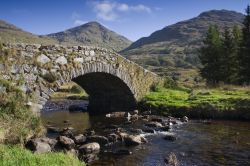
(136, 112)
(122, 135)
(170, 137)
(77, 108)
(171, 160)
(66, 142)
(99, 139)
(88, 158)
(153, 124)
(80, 139)
(52, 129)
(37, 146)
(147, 130)
(146, 113)
(68, 132)
(157, 120)
(165, 128)
(134, 117)
(89, 132)
(131, 140)
(116, 115)
(113, 137)
(137, 131)
(89, 148)
(112, 126)
(184, 119)
(122, 152)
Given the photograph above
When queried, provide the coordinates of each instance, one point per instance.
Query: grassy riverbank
(227, 102)
(18, 156)
(17, 125)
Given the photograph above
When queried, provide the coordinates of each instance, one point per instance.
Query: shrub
(76, 89)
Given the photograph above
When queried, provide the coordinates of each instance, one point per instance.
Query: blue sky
(132, 18)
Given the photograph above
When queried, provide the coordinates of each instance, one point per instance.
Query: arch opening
(107, 93)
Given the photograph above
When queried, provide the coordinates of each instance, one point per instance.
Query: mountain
(93, 34)
(11, 33)
(176, 45)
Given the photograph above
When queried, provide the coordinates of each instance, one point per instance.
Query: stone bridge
(112, 82)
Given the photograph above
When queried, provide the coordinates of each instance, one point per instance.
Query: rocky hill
(93, 34)
(11, 33)
(176, 45)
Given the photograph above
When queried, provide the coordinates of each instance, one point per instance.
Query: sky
(131, 18)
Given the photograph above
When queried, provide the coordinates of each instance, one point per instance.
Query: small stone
(92, 53)
(43, 59)
(184, 119)
(61, 60)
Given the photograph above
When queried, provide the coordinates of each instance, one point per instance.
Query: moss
(16, 120)
(15, 155)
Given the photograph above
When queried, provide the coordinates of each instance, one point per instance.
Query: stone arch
(33, 62)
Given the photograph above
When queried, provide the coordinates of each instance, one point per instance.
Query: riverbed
(198, 142)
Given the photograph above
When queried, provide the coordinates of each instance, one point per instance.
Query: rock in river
(131, 140)
(66, 142)
(89, 148)
(99, 139)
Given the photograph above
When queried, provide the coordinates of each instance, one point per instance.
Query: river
(199, 143)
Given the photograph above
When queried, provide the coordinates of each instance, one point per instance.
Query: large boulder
(66, 142)
(80, 139)
(37, 146)
(131, 140)
(89, 148)
(99, 139)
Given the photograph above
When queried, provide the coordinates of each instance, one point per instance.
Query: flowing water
(217, 143)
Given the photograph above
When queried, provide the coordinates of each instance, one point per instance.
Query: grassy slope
(227, 102)
(17, 156)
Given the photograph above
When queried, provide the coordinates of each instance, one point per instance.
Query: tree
(210, 56)
(245, 49)
(229, 57)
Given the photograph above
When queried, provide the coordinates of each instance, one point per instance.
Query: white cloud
(141, 8)
(109, 11)
(75, 16)
(79, 22)
(123, 7)
(105, 10)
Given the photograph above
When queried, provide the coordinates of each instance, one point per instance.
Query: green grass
(224, 102)
(17, 156)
